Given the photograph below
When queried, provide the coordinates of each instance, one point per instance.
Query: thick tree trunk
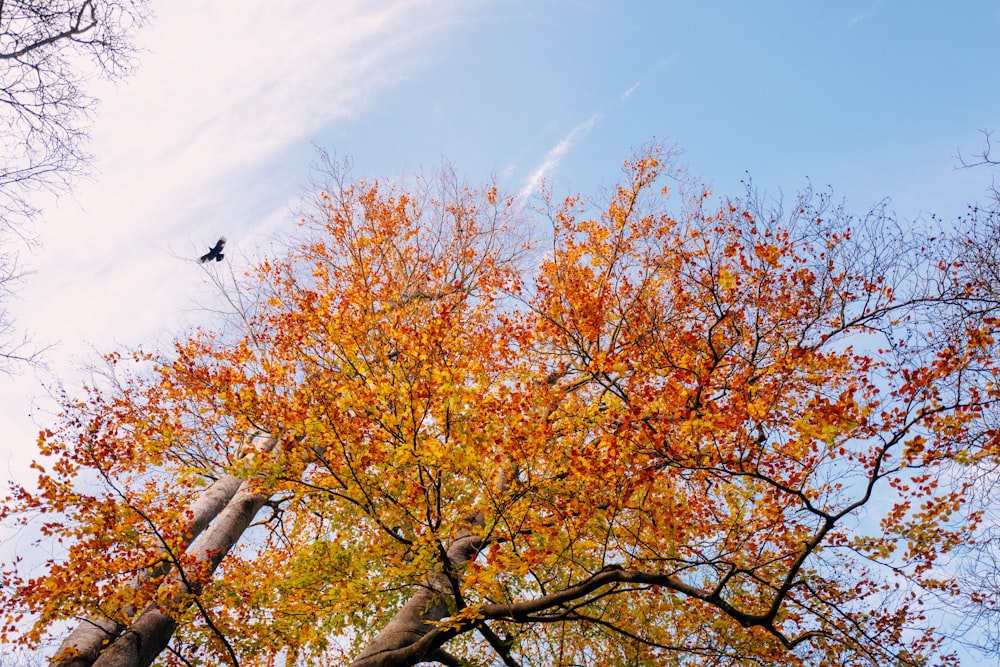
(399, 642)
(149, 634)
(85, 642)
(403, 641)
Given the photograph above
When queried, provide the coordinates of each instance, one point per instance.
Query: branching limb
(499, 645)
(980, 159)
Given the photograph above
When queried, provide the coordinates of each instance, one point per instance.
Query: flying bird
(214, 253)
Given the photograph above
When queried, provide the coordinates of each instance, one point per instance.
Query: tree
(48, 50)
(681, 432)
(976, 573)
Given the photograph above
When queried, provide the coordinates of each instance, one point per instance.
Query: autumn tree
(48, 51)
(976, 568)
(676, 431)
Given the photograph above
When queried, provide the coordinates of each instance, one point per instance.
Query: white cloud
(857, 18)
(243, 79)
(196, 144)
(555, 155)
(863, 15)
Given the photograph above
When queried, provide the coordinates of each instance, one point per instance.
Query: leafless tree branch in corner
(49, 50)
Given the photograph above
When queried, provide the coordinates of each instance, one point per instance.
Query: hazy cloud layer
(190, 148)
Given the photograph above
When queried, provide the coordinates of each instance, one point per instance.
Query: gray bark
(149, 634)
(85, 642)
(406, 639)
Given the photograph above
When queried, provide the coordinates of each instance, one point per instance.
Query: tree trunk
(399, 642)
(149, 634)
(85, 642)
(404, 640)
(84, 645)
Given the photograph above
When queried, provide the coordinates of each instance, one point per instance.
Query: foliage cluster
(678, 431)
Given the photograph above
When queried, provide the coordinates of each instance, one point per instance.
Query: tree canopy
(673, 429)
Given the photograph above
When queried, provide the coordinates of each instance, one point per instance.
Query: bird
(214, 253)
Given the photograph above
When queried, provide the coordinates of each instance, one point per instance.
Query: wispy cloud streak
(555, 155)
(201, 142)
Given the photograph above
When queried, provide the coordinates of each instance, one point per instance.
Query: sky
(216, 132)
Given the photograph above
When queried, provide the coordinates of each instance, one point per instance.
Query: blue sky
(863, 96)
(215, 133)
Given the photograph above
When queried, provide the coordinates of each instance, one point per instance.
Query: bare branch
(49, 49)
(980, 159)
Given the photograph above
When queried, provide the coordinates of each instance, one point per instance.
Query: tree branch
(982, 158)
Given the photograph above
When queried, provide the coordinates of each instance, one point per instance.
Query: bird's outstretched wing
(214, 253)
